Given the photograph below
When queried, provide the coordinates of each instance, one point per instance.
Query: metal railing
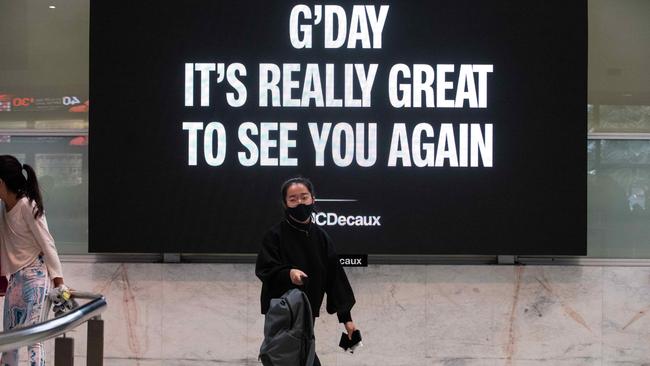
(64, 347)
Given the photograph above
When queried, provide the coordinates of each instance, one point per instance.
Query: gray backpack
(288, 332)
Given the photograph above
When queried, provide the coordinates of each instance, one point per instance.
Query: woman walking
(296, 251)
(27, 253)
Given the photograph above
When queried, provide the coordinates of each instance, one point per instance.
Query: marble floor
(451, 315)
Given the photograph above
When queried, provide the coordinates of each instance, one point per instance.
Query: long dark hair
(11, 173)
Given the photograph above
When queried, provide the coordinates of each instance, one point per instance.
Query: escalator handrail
(20, 337)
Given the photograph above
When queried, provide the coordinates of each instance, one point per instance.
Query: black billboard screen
(428, 127)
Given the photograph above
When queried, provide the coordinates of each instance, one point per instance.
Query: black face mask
(301, 212)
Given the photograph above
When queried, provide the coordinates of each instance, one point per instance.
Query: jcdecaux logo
(333, 219)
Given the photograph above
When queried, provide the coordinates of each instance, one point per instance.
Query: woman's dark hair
(11, 173)
(296, 180)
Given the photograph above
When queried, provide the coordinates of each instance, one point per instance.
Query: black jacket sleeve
(340, 297)
(271, 270)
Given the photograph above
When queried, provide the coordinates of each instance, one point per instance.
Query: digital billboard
(427, 127)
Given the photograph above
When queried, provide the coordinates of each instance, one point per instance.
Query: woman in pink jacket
(27, 254)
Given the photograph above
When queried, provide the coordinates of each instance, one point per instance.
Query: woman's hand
(296, 276)
(60, 294)
(58, 281)
(350, 328)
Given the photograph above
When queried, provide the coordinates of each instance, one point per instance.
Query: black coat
(291, 245)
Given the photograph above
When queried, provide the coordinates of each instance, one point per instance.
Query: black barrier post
(64, 351)
(95, 345)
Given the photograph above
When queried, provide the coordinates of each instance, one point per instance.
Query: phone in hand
(351, 345)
